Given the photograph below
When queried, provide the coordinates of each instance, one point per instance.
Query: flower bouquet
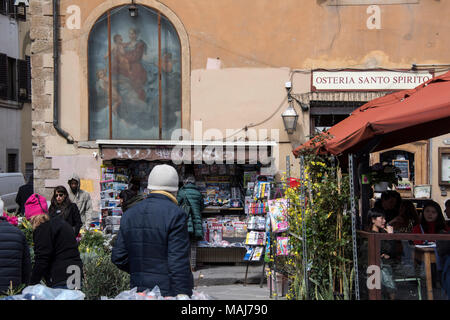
(384, 173)
(11, 219)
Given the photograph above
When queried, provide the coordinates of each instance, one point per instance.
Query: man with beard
(82, 199)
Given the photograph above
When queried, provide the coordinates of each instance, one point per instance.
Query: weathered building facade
(209, 66)
(15, 95)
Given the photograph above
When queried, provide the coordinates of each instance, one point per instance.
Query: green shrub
(101, 276)
(92, 240)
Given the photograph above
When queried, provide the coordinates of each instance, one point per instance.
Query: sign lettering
(368, 80)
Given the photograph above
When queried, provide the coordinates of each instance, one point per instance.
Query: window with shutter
(3, 76)
(12, 79)
(22, 88)
(28, 59)
(11, 8)
(3, 7)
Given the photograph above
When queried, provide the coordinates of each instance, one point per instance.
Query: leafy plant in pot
(383, 176)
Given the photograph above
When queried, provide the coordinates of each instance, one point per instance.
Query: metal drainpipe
(60, 131)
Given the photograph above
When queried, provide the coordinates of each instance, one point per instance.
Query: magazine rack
(256, 227)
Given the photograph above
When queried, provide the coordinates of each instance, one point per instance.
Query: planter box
(282, 284)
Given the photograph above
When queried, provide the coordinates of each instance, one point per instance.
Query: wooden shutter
(2, 6)
(28, 58)
(4, 76)
(22, 88)
(11, 8)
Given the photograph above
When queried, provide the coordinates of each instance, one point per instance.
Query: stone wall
(41, 34)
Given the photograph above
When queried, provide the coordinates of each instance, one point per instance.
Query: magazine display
(278, 215)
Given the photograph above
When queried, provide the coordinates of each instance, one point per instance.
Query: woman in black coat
(62, 206)
(57, 259)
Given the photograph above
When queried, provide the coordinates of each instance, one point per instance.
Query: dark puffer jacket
(70, 214)
(194, 197)
(153, 246)
(55, 249)
(15, 263)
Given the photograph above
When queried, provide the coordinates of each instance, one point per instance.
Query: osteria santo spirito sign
(365, 80)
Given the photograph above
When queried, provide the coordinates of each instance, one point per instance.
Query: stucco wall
(9, 37)
(258, 43)
(10, 135)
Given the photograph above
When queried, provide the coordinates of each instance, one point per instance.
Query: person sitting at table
(377, 223)
(447, 212)
(443, 251)
(404, 223)
(407, 217)
(389, 204)
(431, 222)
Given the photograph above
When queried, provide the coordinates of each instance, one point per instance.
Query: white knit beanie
(163, 177)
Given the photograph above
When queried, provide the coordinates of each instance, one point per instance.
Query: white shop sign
(367, 80)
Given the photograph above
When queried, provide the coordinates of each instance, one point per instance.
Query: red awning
(397, 118)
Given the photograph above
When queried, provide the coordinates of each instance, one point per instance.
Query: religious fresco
(134, 76)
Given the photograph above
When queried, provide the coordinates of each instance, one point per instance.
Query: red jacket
(431, 228)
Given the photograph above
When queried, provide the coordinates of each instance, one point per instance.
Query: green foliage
(25, 226)
(384, 172)
(326, 194)
(102, 277)
(92, 240)
(12, 291)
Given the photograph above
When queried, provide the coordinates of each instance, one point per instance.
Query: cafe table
(428, 256)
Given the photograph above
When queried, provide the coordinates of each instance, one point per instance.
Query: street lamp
(133, 9)
(290, 117)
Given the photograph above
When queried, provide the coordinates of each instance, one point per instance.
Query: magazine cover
(261, 238)
(240, 229)
(248, 254)
(251, 223)
(278, 215)
(251, 238)
(282, 246)
(215, 233)
(255, 238)
(257, 254)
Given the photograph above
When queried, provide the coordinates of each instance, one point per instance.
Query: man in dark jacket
(191, 198)
(153, 240)
(389, 204)
(23, 194)
(15, 262)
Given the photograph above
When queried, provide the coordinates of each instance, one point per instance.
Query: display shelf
(220, 255)
(223, 211)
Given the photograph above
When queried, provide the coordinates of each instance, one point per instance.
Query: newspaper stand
(257, 226)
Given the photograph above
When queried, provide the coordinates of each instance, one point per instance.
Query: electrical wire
(251, 125)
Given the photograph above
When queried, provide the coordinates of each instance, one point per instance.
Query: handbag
(186, 205)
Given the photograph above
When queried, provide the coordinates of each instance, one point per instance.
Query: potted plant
(383, 176)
